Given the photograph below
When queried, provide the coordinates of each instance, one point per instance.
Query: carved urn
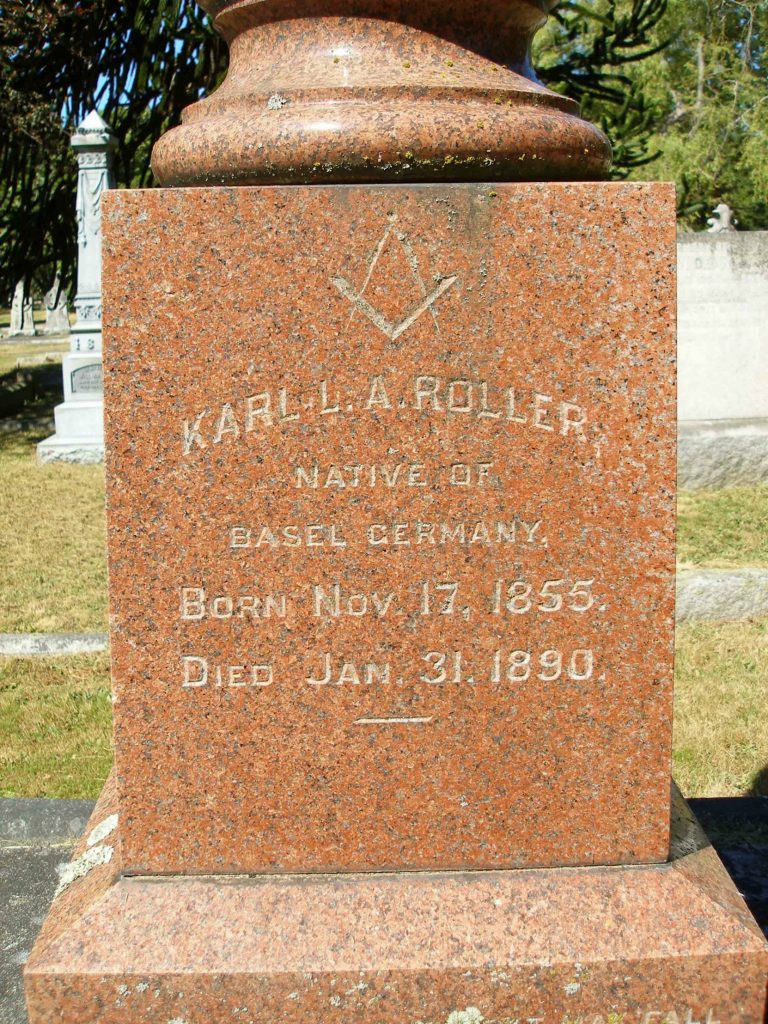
(380, 91)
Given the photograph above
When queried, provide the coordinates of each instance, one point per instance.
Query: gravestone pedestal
(647, 944)
(461, 437)
(390, 474)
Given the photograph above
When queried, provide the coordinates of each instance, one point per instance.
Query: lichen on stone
(469, 1016)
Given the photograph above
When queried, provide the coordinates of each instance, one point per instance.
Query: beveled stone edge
(102, 891)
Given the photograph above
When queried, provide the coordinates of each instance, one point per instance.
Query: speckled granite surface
(637, 944)
(380, 90)
(396, 590)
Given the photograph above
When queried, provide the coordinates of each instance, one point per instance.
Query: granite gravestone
(391, 514)
(422, 516)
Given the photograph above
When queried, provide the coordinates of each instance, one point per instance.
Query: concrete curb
(23, 645)
(721, 595)
(27, 821)
(722, 453)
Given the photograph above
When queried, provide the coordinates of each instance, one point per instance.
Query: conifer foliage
(138, 63)
(683, 80)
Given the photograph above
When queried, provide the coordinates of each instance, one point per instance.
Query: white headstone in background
(22, 314)
(722, 350)
(79, 433)
(56, 312)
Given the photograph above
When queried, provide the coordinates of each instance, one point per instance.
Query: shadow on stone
(737, 827)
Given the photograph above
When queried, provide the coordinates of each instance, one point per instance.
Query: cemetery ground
(30, 379)
(55, 713)
(41, 350)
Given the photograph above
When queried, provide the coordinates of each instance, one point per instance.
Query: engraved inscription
(483, 407)
(501, 667)
(333, 671)
(519, 596)
(316, 535)
(87, 379)
(427, 301)
(414, 474)
(333, 602)
(508, 666)
(427, 598)
(378, 535)
(481, 401)
(197, 604)
(199, 672)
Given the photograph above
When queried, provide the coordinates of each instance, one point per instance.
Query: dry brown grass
(721, 708)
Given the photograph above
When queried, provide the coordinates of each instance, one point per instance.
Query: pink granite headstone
(390, 422)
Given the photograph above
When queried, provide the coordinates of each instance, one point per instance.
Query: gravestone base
(79, 419)
(602, 945)
(79, 433)
(722, 453)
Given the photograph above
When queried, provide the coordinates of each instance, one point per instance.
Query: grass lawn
(55, 726)
(56, 717)
(11, 352)
(723, 529)
(52, 542)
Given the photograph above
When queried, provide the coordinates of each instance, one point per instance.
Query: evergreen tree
(589, 51)
(710, 88)
(139, 64)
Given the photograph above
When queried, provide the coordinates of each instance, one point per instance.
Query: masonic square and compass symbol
(393, 329)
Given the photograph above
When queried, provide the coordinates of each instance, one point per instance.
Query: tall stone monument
(79, 433)
(390, 454)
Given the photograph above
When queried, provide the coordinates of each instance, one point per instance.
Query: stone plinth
(399, 589)
(638, 945)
